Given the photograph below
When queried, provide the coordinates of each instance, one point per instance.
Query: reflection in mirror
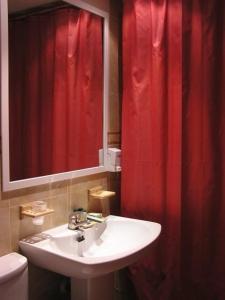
(55, 90)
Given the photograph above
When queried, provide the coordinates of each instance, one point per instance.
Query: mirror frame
(8, 185)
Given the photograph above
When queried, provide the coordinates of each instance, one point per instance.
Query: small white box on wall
(114, 160)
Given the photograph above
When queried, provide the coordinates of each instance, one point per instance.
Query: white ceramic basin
(107, 247)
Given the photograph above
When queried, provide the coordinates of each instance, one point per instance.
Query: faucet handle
(81, 215)
(72, 224)
(77, 217)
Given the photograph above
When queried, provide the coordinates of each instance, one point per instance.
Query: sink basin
(107, 247)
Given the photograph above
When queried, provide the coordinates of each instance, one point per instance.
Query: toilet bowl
(13, 277)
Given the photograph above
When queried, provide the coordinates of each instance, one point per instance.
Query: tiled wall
(61, 196)
(64, 196)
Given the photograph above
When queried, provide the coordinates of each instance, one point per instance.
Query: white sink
(107, 247)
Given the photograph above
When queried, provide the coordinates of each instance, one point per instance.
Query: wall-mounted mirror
(54, 61)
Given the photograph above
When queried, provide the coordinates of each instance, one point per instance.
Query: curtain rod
(39, 10)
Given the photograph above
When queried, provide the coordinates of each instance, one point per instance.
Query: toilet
(13, 277)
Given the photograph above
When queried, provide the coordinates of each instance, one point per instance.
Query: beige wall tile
(115, 92)
(59, 188)
(78, 193)
(5, 239)
(25, 227)
(114, 185)
(60, 205)
(78, 199)
(32, 192)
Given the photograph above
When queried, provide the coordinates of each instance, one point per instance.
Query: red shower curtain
(56, 91)
(173, 144)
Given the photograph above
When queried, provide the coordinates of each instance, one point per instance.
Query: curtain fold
(203, 185)
(56, 92)
(173, 143)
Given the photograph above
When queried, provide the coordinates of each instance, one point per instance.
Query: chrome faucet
(79, 220)
(76, 219)
(79, 237)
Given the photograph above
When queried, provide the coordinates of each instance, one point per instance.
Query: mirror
(54, 101)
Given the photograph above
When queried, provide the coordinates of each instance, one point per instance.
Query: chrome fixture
(79, 237)
(76, 219)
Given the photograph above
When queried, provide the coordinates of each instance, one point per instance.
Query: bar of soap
(97, 215)
(96, 219)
